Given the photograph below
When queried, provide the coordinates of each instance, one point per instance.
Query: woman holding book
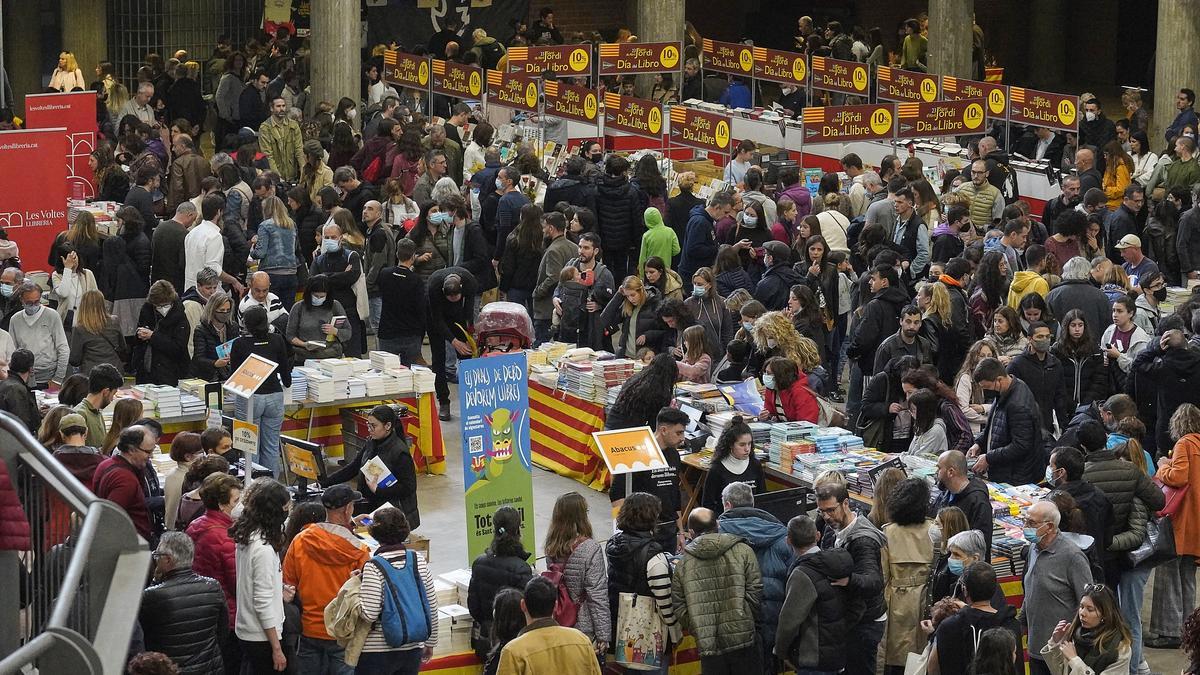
(210, 360)
(384, 467)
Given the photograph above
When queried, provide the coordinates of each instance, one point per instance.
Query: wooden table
(693, 470)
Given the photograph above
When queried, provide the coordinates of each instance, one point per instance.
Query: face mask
(935, 535)
(771, 343)
(748, 325)
(352, 113)
(237, 511)
(1091, 116)
(317, 302)
(223, 317)
(499, 184)
(1160, 294)
(597, 157)
(6, 290)
(955, 566)
(699, 291)
(162, 311)
(769, 381)
(1031, 535)
(331, 245)
(439, 218)
(750, 221)
(1040, 346)
(32, 309)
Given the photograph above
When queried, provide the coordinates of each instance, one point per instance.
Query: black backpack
(490, 54)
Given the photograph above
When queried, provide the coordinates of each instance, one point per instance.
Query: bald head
(952, 471)
(987, 144)
(702, 521)
(1085, 159)
(372, 211)
(260, 287)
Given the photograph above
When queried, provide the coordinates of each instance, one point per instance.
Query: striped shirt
(371, 597)
(658, 577)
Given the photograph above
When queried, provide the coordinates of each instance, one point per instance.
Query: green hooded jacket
(659, 240)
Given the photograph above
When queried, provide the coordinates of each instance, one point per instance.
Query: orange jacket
(1184, 470)
(317, 563)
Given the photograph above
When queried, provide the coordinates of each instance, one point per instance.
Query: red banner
(780, 66)
(571, 102)
(33, 190)
(848, 123)
(77, 112)
(996, 95)
(406, 70)
(728, 57)
(558, 59)
(848, 77)
(457, 80)
(638, 116)
(1044, 109)
(906, 85)
(700, 129)
(512, 91)
(940, 118)
(624, 58)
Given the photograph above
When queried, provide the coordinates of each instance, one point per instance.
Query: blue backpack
(405, 615)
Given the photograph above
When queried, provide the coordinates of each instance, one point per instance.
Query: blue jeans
(406, 662)
(451, 359)
(284, 287)
(376, 306)
(521, 297)
(541, 330)
(322, 657)
(1129, 597)
(408, 348)
(854, 393)
(268, 415)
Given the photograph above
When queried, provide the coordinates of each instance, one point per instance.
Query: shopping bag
(918, 664)
(641, 639)
(1158, 546)
(1174, 498)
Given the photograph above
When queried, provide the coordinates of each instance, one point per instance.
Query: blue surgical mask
(6, 290)
(749, 221)
(440, 218)
(499, 184)
(769, 381)
(1031, 535)
(699, 291)
(331, 245)
(317, 301)
(955, 566)
(748, 325)
(32, 308)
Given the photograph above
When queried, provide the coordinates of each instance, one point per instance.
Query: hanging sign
(406, 70)
(75, 110)
(457, 79)
(848, 77)
(700, 129)
(779, 66)
(996, 95)
(1044, 109)
(848, 123)
(558, 59)
(628, 58)
(571, 102)
(940, 118)
(512, 91)
(33, 189)
(728, 57)
(905, 85)
(638, 116)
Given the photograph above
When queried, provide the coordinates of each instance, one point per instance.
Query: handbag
(829, 415)
(1174, 498)
(1158, 546)
(641, 638)
(918, 664)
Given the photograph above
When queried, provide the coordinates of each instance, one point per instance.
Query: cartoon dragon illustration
(489, 467)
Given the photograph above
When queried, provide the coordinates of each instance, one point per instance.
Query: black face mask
(1160, 294)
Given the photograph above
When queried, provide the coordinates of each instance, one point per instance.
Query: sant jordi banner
(848, 123)
(940, 118)
(33, 189)
(571, 101)
(406, 70)
(905, 85)
(562, 60)
(77, 112)
(1044, 109)
(638, 116)
(493, 399)
(512, 91)
(996, 95)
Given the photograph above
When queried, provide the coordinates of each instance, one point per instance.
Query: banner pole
(248, 462)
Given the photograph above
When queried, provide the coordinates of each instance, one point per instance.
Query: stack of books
(834, 439)
(190, 405)
(403, 378)
(338, 369)
(423, 380)
(454, 630)
(356, 387)
(384, 361)
(786, 441)
(761, 433)
(461, 578)
(164, 399)
(321, 387)
(299, 389)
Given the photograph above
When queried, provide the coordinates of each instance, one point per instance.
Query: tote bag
(641, 639)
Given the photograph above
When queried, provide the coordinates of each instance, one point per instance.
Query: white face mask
(1091, 116)
(352, 113)
(162, 311)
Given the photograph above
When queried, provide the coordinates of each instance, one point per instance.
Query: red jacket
(215, 553)
(14, 526)
(798, 403)
(121, 483)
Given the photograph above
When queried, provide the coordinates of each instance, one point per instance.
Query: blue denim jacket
(276, 247)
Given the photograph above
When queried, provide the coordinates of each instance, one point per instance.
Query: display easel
(245, 382)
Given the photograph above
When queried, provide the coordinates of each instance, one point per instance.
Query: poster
(996, 95)
(406, 70)
(780, 66)
(630, 450)
(625, 58)
(300, 462)
(412, 23)
(728, 57)
(848, 123)
(700, 129)
(33, 190)
(493, 399)
(940, 118)
(250, 375)
(457, 79)
(894, 84)
(638, 116)
(77, 112)
(1044, 109)
(512, 91)
(847, 77)
(563, 60)
(571, 102)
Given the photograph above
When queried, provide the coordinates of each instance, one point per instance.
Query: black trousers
(740, 662)
(862, 647)
(256, 658)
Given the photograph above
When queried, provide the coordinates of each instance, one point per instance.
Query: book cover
(377, 472)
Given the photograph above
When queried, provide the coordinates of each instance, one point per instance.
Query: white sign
(245, 437)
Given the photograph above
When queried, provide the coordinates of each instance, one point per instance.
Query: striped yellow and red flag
(550, 87)
(707, 45)
(906, 110)
(1017, 94)
(818, 63)
(610, 49)
(518, 54)
(885, 74)
(495, 77)
(812, 116)
(678, 114)
(760, 53)
(949, 84)
(439, 67)
(389, 57)
(612, 100)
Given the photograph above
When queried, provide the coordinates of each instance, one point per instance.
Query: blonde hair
(695, 343)
(705, 274)
(1116, 275)
(274, 209)
(92, 315)
(1186, 420)
(939, 302)
(125, 413)
(72, 64)
(632, 283)
(84, 228)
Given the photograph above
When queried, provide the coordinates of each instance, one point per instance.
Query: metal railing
(80, 583)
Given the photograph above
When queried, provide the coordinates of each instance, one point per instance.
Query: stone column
(85, 34)
(1047, 49)
(1176, 62)
(950, 37)
(336, 51)
(23, 52)
(657, 21)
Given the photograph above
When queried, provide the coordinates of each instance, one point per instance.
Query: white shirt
(1042, 146)
(202, 247)
(273, 305)
(259, 591)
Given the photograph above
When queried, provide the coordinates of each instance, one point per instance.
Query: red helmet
(503, 327)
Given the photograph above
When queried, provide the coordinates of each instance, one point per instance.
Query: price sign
(405, 70)
(638, 116)
(512, 91)
(1044, 109)
(571, 102)
(700, 129)
(457, 79)
(996, 95)
(780, 66)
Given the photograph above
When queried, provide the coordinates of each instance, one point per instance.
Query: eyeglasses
(830, 510)
(156, 556)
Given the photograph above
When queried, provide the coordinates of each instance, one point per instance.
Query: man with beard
(601, 286)
(1067, 201)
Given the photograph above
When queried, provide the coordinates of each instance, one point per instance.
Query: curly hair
(778, 327)
(909, 502)
(639, 512)
(736, 429)
(264, 514)
(1191, 636)
(649, 389)
(990, 279)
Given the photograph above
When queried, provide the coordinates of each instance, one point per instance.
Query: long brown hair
(92, 315)
(568, 524)
(1112, 633)
(83, 229)
(125, 413)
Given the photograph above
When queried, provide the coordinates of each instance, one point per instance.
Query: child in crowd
(572, 295)
(696, 364)
(730, 369)
(645, 355)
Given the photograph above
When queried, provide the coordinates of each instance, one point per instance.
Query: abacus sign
(1043, 109)
(624, 58)
(406, 70)
(558, 59)
(638, 116)
(512, 91)
(940, 118)
(906, 85)
(728, 57)
(996, 95)
(700, 129)
(779, 66)
(458, 80)
(848, 77)
(848, 123)
(571, 101)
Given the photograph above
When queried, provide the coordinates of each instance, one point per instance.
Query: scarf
(1085, 645)
(949, 281)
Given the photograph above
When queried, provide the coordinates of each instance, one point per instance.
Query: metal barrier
(80, 584)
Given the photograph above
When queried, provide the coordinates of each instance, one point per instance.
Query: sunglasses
(1094, 588)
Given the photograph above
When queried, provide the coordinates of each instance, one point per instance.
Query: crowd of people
(951, 322)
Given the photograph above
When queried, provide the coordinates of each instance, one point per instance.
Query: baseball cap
(452, 285)
(778, 250)
(1130, 240)
(339, 495)
(246, 135)
(71, 420)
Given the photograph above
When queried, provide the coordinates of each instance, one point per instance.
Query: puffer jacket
(627, 554)
(880, 319)
(575, 190)
(215, 553)
(776, 284)
(768, 537)
(815, 639)
(1086, 376)
(619, 209)
(647, 323)
(1125, 485)
(865, 543)
(489, 574)
(14, 525)
(184, 617)
(586, 580)
(1012, 438)
(717, 593)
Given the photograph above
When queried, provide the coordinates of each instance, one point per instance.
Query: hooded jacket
(975, 502)
(1171, 376)
(945, 242)
(1012, 438)
(717, 593)
(184, 617)
(800, 195)
(865, 543)
(1096, 507)
(576, 190)
(881, 318)
(619, 208)
(627, 554)
(319, 560)
(958, 636)
(700, 244)
(659, 240)
(768, 537)
(1047, 379)
(772, 290)
(1025, 282)
(812, 620)
(489, 574)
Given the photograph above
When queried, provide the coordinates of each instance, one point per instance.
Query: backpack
(490, 54)
(374, 170)
(566, 610)
(404, 617)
